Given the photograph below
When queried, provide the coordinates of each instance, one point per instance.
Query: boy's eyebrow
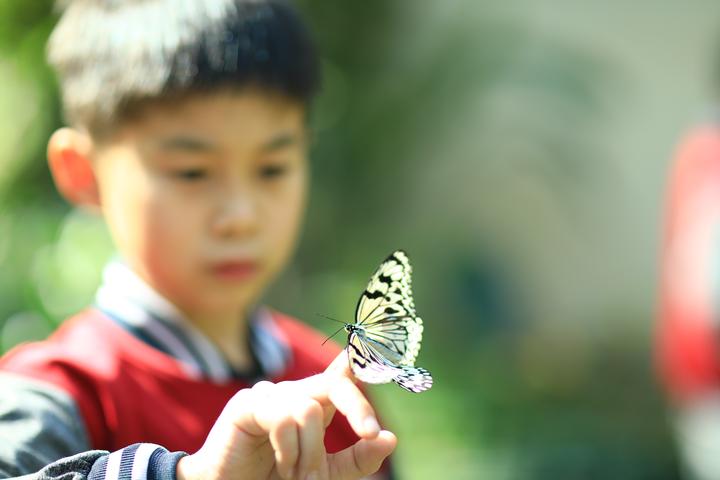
(280, 141)
(185, 142)
(197, 144)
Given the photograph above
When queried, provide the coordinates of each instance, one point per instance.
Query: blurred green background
(516, 149)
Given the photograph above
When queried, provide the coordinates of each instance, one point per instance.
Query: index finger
(334, 388)
(341, 366)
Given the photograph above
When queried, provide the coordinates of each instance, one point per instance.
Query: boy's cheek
(287, 231)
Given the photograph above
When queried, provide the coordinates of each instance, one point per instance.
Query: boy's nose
(236, 215)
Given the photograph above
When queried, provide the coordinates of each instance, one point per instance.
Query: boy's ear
(68, 155)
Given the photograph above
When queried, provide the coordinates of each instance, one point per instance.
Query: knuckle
(309, 411)
(315, 410)
(285, 423)
(241, 398)
(262, 385)
(285, 384)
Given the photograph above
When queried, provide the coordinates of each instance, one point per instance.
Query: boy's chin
(227, 301)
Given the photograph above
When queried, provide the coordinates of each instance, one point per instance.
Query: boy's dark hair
(113, 56)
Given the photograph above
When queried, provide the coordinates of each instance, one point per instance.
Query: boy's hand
(276, 431)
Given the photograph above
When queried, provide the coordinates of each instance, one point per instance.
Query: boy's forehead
(198, 120)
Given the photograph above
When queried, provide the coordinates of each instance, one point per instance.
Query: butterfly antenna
(330, 318)
(328, 338)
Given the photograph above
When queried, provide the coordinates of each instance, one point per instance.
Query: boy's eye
(190, 174)
(272, 171)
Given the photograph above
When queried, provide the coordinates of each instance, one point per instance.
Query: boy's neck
(229, 334)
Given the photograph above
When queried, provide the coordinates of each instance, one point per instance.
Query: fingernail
(371, 425)
(312, 476)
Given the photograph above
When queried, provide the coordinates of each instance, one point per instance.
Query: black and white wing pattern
(384, 341)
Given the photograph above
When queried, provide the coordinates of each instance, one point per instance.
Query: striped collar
(134, 305)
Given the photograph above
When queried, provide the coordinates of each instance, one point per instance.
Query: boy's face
(204, 198)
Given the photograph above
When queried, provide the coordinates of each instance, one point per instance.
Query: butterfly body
(384, 341)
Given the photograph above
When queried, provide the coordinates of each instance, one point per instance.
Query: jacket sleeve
(42, 437)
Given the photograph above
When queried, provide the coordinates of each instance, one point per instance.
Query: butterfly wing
(369, 366)
(414, 379)
(386, 310)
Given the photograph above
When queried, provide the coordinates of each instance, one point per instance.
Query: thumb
(362, 459)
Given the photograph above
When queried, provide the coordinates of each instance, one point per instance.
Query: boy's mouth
(235, 270)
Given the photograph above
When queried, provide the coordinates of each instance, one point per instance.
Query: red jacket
(128, 392)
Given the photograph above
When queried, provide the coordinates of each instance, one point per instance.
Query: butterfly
(384, 341)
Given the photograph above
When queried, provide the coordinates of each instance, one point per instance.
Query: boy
(189, 137)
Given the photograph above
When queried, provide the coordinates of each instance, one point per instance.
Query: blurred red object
(688, 331)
